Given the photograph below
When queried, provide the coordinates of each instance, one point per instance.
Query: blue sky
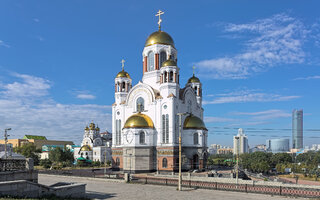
(257, 60)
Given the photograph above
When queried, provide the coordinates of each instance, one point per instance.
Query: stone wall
(24, 188)
(29, 175)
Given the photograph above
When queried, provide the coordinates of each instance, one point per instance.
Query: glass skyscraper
(297, 129)
(278, 145)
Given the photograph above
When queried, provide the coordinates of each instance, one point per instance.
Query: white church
(145, 121)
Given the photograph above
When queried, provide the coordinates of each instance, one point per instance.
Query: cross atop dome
(159, 13)
(122, 64)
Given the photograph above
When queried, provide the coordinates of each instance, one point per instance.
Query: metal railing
(248, 188)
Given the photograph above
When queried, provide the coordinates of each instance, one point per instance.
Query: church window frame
(163, 57)
(165, 128)
(118, 131)
(150, 62)
(170, 76)
(117, 161)
(140, 103)
(196, 138)
(164, 163)
(142, 137)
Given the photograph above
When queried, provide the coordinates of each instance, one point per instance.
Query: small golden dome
(138, 121)
(92, 126)
(97, 129)
(159, 37)
(193, 122)
(123, 74)
(194, 79)
(87, 128)
(85, 148)
(169, 63)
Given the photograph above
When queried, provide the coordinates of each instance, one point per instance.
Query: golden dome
(193, 122)
(92, 126)
(138, 121)
(87, 128)
(85, 148)
(159, 37)
(194, 79)
(123, 74)
(169, 63)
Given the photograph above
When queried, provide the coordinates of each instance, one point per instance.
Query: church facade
(95, 146)
(145, 117)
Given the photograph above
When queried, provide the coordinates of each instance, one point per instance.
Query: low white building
(95, 146)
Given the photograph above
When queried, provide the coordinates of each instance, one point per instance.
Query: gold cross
(123, 61)
(159, 13)
(193, 67)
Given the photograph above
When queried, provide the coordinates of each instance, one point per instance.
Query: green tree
(60, 156)
(29, 151)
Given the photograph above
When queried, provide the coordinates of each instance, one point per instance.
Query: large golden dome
(123, 74)
(159, 37)
(194, 79)
(138, 121)
(193, 122)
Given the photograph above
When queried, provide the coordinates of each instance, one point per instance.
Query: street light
(6, 141)
(237, 157)
(180, 160)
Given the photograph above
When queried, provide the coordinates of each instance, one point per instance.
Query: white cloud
(308, 78)
(244, 96)
(86, 96)
(36, 20)
(266, 115)
(2, 43)
(217, 119)
(276, 40)
(27, 107)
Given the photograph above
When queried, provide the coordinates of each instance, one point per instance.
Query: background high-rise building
(240, 143)
(278, 145)
(297, 129)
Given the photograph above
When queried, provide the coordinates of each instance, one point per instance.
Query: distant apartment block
(240, 143)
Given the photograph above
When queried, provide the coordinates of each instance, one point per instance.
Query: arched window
(142, 138)
(117, 161)
(150, 61)
(171, 76)
(140, 104)
(195, 90)
(164, 163)
(163, 57)
(195, 138)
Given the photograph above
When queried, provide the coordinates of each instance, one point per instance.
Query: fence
(93, 173)
(262, 189)
(12, 165)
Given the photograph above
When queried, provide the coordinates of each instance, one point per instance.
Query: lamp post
(6, 141)
(237, 157)
(180, 142)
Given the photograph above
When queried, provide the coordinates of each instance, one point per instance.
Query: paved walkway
(106, 189)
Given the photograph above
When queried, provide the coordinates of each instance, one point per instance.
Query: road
(108, 189)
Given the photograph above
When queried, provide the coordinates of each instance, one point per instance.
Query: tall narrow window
(117, 161)
(195, 138)
(118, 131)
(140, 104)
(150, 61)
(167, 128)
(163, 128)
(171, 76)
(163, 57)
(142, 138)
(164, 163)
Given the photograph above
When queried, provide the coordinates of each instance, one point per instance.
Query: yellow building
(38, 141)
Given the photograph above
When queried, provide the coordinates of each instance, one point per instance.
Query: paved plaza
(108, 189)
